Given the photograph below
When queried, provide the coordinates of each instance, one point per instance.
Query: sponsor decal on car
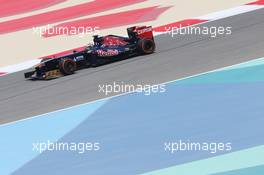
(79, 58)
(149, 29)
(53, 73)
(108, 53)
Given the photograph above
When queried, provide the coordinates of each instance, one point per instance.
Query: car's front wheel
(67, 66)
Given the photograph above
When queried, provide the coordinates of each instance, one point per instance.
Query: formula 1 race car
(105, 49)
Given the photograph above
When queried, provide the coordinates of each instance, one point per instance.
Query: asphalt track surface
(175, 58)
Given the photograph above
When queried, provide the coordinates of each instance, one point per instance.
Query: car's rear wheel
(67, 66)
(146, 46)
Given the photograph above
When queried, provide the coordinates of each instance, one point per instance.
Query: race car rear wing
(142, 32)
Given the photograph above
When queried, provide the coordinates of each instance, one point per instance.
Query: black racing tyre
(146, 46)
(67, 66)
